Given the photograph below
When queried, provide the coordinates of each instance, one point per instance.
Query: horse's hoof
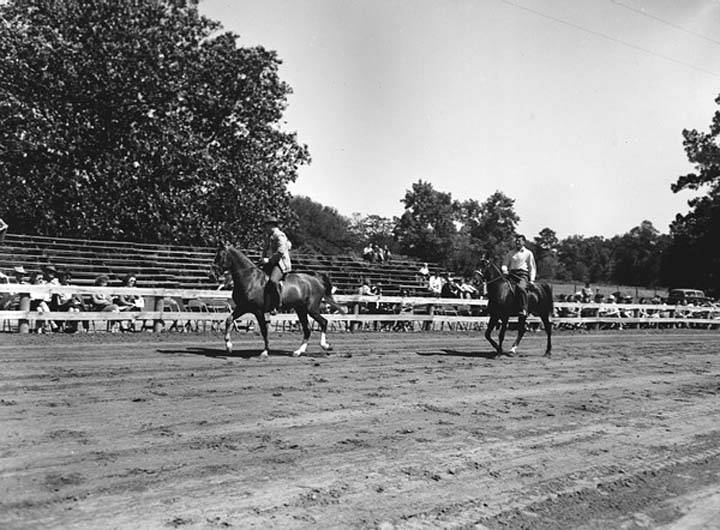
(228, 346)
(297, 353)
(547, 355)
(326, 347)
(264, 354)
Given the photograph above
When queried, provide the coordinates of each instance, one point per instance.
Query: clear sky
(574, 108)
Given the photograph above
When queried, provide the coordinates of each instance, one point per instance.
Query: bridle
(499, 277)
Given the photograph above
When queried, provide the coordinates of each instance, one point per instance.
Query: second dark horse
(502, 304)
(302, 292)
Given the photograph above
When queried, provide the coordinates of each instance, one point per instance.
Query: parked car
(693, 296)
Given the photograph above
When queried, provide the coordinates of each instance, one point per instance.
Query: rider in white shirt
(520, 265)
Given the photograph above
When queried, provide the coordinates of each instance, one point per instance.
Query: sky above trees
(573, 109)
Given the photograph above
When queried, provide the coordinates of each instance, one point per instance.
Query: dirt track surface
(618, 430)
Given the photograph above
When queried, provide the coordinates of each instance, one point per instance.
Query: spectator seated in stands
(587, 293)
(449, 289)
(3, 230)
(102, 301)
(12, 300)
(226, 284)
(67, 302)
(40, 303)
(368, 253)
(610, 311)
(379, 254)
(51, 274)
(129, 302)
(424, 270)
(467, 289)
(365, 289)
(386, 253)
(435, 284)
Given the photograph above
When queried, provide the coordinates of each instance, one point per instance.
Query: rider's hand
(504, 269)
(266, 260)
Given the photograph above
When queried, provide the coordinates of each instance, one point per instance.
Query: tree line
(456, 234)
(144, 120)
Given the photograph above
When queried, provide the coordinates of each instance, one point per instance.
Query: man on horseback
(276, 257)
(520, 264)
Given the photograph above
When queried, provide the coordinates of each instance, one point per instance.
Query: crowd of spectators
(619, 311)
(376, 254)
(68, 302)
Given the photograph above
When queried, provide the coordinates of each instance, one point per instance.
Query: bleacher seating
(188, 267)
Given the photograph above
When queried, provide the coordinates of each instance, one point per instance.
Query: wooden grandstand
(187, 267)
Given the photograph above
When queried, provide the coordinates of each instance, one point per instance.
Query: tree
(426, 229)
(373, 229)
(318, 228)
(693, 257)
(585, 259)
(492, 225)
(546, 244)
(138, 120)
(637, 256)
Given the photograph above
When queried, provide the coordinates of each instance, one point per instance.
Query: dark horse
(302, 292)
(502, 303)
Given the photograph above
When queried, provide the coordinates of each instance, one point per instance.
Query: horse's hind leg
(488, 333)
(303, 317)
(501, 335)
(548, 331)
(322, 322)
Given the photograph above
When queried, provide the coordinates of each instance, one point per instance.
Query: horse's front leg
(229, 321)
(262, 323)
(488, 333)
(521, 331)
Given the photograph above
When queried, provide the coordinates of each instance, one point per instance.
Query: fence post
(356, 312)
(431, 314)
(24, 324)
(158, 305)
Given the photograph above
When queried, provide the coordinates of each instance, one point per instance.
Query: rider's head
(519, 241)
(270, 223)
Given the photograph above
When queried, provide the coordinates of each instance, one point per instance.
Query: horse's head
(221, 262)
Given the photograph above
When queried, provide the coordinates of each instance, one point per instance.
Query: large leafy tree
(492, 225)
(426, 229)
(585, 258)
(637, 255)
(693, 258)
(138, 120)
(546, 248)
(318, 228)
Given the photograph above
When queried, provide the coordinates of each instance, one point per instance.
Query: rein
(499, 277)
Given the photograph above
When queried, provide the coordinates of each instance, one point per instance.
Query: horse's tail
(328, 296)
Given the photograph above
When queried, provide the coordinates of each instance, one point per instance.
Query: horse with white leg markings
(502, 303)
(302, 292)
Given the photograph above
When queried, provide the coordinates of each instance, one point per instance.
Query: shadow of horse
(220, 353)
(457, 353)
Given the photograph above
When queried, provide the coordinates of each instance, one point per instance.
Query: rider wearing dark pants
(520, 262)
(276, 256)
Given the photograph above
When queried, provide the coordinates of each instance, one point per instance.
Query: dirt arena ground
(618, 430)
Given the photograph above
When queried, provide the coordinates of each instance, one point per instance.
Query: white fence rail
(190, 305)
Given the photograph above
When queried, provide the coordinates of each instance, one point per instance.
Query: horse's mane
(241, 259)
